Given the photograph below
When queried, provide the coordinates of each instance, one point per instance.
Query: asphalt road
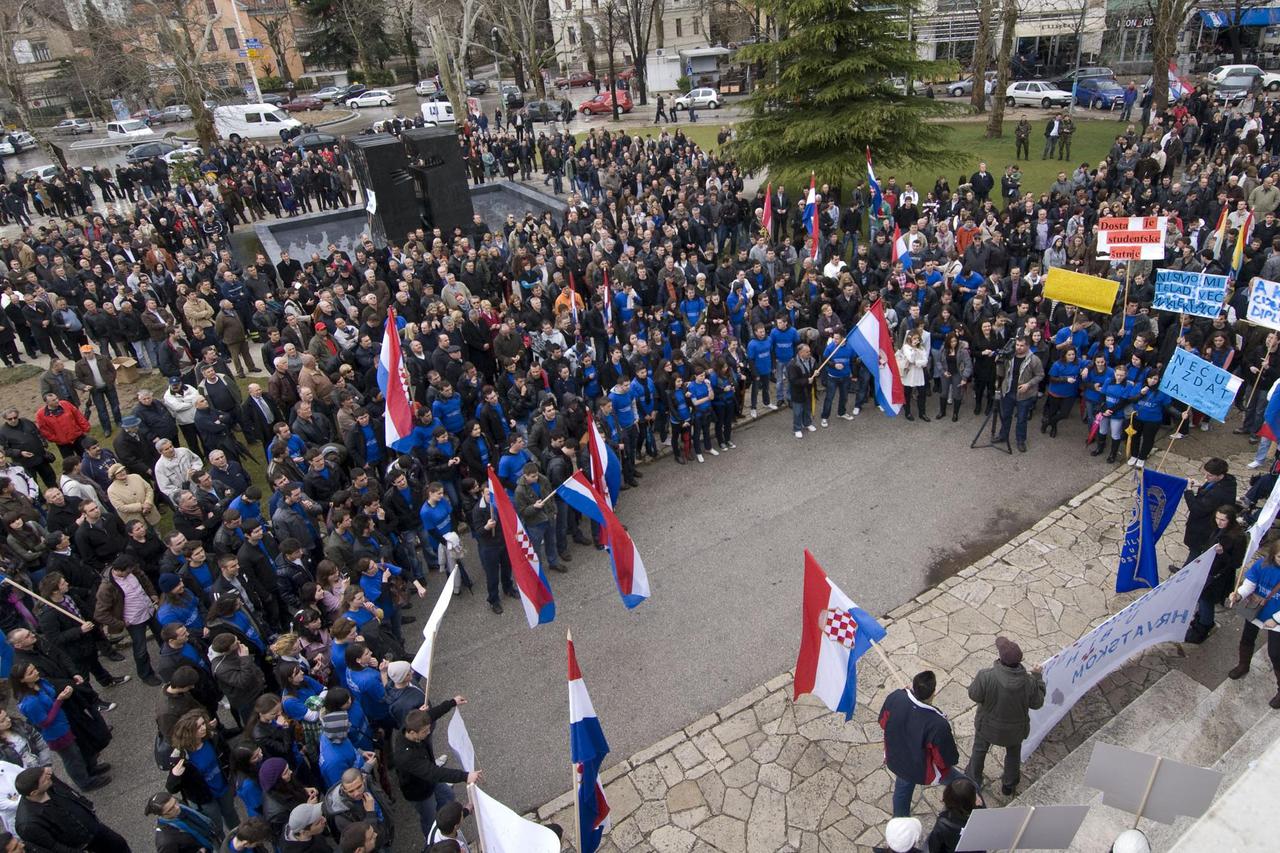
(888, 507)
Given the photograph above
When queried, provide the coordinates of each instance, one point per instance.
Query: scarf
(196, 825)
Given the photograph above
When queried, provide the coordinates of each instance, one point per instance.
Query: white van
(438, 112)
(129, 129)
(254, 121)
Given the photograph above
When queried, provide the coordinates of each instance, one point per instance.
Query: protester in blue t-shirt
(783, 338)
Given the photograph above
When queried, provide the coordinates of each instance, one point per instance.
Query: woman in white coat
(913, 358)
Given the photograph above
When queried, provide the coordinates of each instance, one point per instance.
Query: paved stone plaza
(764, 774)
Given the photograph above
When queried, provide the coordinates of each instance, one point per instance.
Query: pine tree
(827, 93)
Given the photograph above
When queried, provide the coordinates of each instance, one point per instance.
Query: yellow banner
(1086, 291)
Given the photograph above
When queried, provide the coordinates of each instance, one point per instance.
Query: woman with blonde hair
(913, 358)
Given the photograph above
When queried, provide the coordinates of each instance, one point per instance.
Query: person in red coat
(63, 424)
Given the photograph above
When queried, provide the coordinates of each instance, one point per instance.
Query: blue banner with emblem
(1155, 503)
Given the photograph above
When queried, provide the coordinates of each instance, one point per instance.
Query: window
(211, 6)
(242, 71)
(679, 28)
(568, 5)
(213, 40)
(697, 24)
(40, 51)
(573, 37)
(253, 118)
(233, 38)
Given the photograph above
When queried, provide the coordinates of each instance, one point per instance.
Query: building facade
(579, 31)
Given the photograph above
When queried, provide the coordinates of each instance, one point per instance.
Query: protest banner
(1160, 616)
(1200, 384)
(1085, 291)
(1264, 303)
(1195, 293)
(1119, 237)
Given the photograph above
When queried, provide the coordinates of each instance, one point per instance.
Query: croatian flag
(606, 468)
(871, 341)
(628, 568)
(877, 199)
(398, 418)
(811, 217)
(587, 749)
(767, 219)
(835, 634)
(526, 570)
(901, 251)
(1179, 86)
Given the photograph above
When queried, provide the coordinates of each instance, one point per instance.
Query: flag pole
(471, 794)
(1186, 414)
(1257, 379)
(893, 670)
(573, 772)
(39, 597)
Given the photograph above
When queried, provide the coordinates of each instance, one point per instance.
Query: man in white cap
(901, 835)
(1131, 841)
(402, 695)
(305, 831)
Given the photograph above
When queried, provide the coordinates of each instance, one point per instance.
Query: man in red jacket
(63, 424)
(919, 748)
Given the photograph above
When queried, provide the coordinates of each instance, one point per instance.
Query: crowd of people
(659, 305)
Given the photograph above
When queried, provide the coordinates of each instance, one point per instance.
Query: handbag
(1255, 603)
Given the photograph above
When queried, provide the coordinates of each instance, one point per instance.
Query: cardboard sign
(1085, 291)
(1130, 238)
(1195, 293)
(1200, 384)
(1264, 303)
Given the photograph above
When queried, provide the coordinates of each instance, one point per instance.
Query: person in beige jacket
(132, 496)
(199, 313)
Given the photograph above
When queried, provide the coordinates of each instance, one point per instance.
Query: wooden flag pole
(1022, 829)
(39, 597)
(1128, 276)
(1186, 414)
(1257, 379)
(893, 670)
(1146, 795)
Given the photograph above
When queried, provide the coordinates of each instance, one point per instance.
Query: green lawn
(1093, 139)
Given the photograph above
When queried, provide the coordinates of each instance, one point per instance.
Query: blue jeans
(138, 636)
(538, 534)
(1008, 404)
(102, 397)
(1204, 612)
(427, 808)
(782, 387)
(562, 527)
(904, 792)
(801, 417)
(840, 385)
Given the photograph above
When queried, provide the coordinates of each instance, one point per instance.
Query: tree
(1233, 11)
(524, 27)
(450, 27)
(1168, 18)
(612, 19)
(404, 14)
(176, 49)
(346, 32)
(828, 94)
(1008, 35)
(640, 17)
(273, 17)
(981, 56)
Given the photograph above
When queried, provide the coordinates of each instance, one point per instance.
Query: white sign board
(1132, 238)
(1160, 616)
(1264, 303)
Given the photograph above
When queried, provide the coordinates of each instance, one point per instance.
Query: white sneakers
(1142, 463)
(772, 407)
(849, 417)
(811, 428)
(1132, 461)
(825, 424)
(713, 451)
(1204, 426)
(1254, 464)
(799, 434)
(857, 411)
(700, 459)
(754, 413)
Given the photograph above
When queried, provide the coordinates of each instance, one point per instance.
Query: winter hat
(115, 469)
(1010, 652)
(270, 772)
(1131, 841)
(398, 671)
(131, 421)
(335, 725)
(902, 833)
(169, 582)
(303, 816)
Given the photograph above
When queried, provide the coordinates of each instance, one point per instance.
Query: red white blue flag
(587, 748)
(872, 342)
(606, 468)
(811, 217)
(628, 569)
(398, 418)
(526, 569)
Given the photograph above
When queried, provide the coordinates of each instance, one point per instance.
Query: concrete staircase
(1224, 729)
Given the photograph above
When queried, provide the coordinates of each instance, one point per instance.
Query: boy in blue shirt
(760, 355)
(624, 410)
(784, 340)
(839, 372)
(700, 396)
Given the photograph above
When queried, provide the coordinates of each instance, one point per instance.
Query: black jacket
(415, 763)
(1201, 505)
(66, 823)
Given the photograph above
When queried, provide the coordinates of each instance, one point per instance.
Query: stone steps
(1182, 720)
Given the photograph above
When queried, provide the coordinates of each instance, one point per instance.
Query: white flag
(504, 831)
(422, 660)
(460, 742)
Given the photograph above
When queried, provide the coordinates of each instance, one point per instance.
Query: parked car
(1084, 73)
(964, 86)
(253, 121)
(1100, 93)
(73, 126)
(328, 93)
(542, 110)
(425, 87)
(314, 139)
(703, 98)
(16, 142)
(1269, 80)
(601, 104)
(352, 91)
(372, 98)
(1234, 89)
(302, 103)
(273, 99)
(477, 87)
(441, 97)
(147, 116)
(47, 172)
(174, 113)
(575, 79)
(437, 112)
(170, 152)
(1036, 93)
(512, 97)
(128, 129)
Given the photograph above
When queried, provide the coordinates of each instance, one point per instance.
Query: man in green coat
(1005, 693)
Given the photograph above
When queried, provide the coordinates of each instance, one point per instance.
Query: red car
(601, 105)
(301, 103)
(577, 78)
